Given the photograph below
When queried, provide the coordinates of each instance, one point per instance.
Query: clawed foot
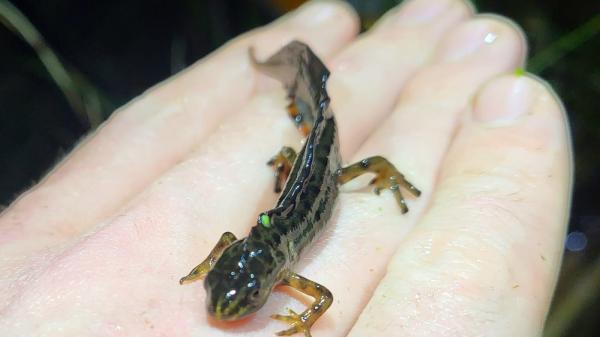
(386, 177)
(298, 323)
(392, 179)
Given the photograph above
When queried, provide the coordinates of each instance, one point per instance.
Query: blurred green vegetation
(65, 65)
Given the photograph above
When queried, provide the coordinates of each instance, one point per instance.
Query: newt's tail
(304, 77)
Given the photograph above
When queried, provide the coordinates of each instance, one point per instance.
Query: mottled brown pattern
(247, 270)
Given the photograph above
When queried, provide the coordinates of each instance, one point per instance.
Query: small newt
(241, 273)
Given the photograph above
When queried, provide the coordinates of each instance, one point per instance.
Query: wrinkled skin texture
(97, 247)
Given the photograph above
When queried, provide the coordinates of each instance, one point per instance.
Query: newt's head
(240, 282)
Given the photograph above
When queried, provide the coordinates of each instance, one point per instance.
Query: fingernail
(416, 12)
(474, 38)
(315, 13)
(503, 101)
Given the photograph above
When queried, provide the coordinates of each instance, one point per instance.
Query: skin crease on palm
(98, 246)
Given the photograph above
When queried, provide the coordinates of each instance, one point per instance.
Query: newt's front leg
(282, 164)
(203, 268)
(387, 176)
(304, 321)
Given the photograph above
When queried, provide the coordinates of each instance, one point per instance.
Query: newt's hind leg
(386, 177)
(282, 164)
(304, 321)
(203, 268)
(300, 116)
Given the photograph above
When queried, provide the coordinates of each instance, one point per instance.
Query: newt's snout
(225, 305)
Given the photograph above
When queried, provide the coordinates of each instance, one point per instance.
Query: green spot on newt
(265, 220)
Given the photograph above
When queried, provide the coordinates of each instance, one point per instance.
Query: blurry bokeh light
(576, 241)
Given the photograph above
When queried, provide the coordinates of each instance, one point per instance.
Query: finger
(486, 256)
(156, 131)
(415, 137)
(368, 75)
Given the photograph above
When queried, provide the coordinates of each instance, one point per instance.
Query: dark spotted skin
(312, 189)
(301, 212)
(240, 274)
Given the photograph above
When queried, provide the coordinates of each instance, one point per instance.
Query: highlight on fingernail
(469, 39)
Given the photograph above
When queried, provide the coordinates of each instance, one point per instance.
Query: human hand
(97, 248)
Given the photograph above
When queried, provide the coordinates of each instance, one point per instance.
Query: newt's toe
(298, 324)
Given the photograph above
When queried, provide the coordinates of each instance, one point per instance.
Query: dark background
(114, 50)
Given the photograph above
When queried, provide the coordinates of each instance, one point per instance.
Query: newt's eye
(255, 294)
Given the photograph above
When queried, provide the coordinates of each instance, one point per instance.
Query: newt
(241, 273)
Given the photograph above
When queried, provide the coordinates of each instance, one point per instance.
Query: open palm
(97, 247)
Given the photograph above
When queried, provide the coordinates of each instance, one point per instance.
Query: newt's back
(309, 195)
